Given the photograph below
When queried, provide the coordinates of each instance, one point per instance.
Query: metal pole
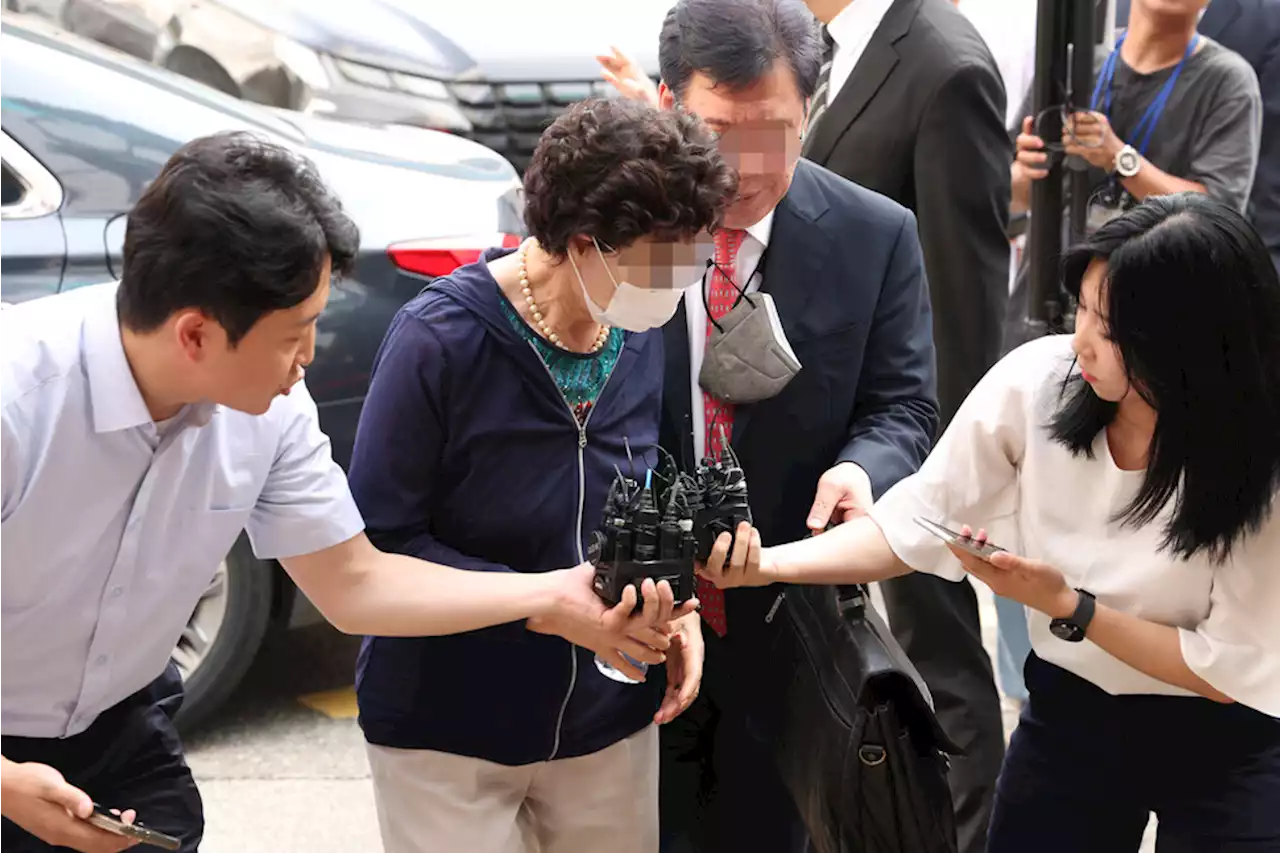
(1044, 237)
(1082, 44)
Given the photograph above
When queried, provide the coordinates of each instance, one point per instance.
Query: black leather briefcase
(859, 747)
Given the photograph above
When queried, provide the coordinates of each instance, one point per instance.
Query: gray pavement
(282, 767)
(281, 777)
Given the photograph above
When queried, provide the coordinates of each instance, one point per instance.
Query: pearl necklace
(536, 312)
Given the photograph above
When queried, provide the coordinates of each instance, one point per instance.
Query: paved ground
(283, 769)
(279, 776)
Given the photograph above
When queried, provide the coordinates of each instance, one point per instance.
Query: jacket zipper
(582, 500)
(773, 611)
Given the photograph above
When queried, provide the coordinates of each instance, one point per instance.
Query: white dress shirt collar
(852, 30)
(857, 23)
(762, 229)
(117, 401)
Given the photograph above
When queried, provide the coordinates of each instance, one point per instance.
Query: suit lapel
(869, 74)
(798, 247)
(676, 387)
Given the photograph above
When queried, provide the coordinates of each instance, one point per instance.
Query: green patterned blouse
(580, 376)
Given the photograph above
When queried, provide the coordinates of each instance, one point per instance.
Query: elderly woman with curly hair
(503, 399)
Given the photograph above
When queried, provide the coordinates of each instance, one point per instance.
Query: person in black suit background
(844, 267)
(1252, 29)
(912, 105)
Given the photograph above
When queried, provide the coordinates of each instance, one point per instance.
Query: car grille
(510, 117)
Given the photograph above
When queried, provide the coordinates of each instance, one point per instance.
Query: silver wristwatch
(1128, 162)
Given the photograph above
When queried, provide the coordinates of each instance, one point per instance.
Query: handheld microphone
(638, 540)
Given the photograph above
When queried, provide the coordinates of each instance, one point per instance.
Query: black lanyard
(742, 290)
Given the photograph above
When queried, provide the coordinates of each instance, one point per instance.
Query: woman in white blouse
(1131, 470)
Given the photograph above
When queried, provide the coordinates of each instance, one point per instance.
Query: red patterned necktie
(717, 414)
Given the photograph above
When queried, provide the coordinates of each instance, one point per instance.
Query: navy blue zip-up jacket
(468, 455)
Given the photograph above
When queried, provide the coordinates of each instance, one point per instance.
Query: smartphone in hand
(981, 550)
(104, 818)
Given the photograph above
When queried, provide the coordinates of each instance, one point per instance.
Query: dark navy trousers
(720, 789)
(129, 758)
(1085, 768)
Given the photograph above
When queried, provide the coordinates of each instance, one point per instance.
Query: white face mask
(636, 309)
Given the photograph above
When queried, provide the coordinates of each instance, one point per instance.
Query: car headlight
(438, 104)
(365, 75)
(304, 62)
(422, 86)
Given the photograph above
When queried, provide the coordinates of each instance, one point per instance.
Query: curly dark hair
(619, 170)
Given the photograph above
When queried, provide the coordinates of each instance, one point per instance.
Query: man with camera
(1252, 29)
(145, 424)
(1171, 111)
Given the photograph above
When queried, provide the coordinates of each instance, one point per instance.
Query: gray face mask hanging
(748, 358)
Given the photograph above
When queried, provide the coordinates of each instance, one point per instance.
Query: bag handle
(849, 597)
(856, 597)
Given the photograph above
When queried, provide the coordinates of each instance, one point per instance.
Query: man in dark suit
(843, 266)
(911, 104)
(1252, 29)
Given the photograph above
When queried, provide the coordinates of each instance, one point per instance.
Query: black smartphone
(982, 550)
(104, 818)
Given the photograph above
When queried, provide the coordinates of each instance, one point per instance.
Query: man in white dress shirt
(145, 425)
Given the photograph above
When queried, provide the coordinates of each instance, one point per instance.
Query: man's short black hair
(619, 170)
(234, 226)
(737, 42)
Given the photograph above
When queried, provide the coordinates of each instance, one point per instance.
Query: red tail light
(442, 255)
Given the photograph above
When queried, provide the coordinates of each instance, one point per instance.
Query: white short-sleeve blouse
(997, 467)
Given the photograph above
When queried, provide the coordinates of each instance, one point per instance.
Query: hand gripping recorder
(659, 529)
(719, 500)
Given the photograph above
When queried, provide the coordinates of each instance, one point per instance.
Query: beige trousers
(435, 802)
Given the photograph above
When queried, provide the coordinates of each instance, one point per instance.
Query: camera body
(659, 530)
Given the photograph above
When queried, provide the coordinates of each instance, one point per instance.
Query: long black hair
(1192, 301)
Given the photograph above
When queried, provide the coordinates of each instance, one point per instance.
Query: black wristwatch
(1073, 627)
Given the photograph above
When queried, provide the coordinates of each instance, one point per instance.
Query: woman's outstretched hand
(746, 565)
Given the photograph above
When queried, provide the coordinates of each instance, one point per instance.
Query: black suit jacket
(921, 120)
(1252, 29)
(844, 268)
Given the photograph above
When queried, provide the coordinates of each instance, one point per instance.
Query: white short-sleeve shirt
(111, 528)
(997, 467)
